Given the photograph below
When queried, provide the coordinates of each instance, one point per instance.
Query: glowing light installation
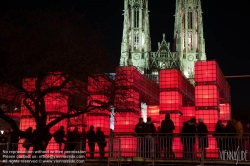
(133, 89)
(154, 113)
(175, 92)
(188, 112)
(212, 92)
(225, 112)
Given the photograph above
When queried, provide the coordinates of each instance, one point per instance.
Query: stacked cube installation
(212, 97)
(176, 98)
(209, 99)
(132, 88)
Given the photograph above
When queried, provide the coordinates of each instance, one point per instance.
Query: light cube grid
(154, 113)
(206, 95)
(126, 121)
(209, 72)
(210, 118)
(174, 80)
(225, 112)
(170, 100)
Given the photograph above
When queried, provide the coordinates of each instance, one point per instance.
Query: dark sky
(226, 32)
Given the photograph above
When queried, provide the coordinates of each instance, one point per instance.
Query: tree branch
(43, 112)
(55, 88)
(62, 117)
(30, 109)
(12, 123)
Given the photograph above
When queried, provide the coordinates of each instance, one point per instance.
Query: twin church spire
(189, 44)
(188, 35)
(136, 46)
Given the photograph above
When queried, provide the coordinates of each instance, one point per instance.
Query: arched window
(183, 19)
(190, 41)
(136, 16)
(136, 39)
(190, 20)
(136, 25)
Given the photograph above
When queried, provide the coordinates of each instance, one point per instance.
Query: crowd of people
(231, 136)
(70, 139)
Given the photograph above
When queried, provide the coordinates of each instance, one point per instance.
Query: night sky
(226, 33)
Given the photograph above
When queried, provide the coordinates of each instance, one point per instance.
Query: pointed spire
(188, 34)
(135, 48)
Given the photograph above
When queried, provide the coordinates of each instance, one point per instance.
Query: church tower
(189, 43)
(136, 42)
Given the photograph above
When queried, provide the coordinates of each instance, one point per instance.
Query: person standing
(230, 133)
(59, 137)
(188, 138)
(69, 143)
(219, 134)
(101, 142)
(91, 136)
(239, 129)
(148, 129)
(83, 138)
(139, 125)
(202, 133)
(138, 131)
(76, 137)
(167, 128)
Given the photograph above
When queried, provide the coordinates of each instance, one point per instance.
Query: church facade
(189, 43)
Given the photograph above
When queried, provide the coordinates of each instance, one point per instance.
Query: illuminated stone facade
(189, 44)
(188, 35)
(136, 46)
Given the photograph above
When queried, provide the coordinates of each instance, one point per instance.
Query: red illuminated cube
(170, 100)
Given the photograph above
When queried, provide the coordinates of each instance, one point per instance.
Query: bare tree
(45, 45)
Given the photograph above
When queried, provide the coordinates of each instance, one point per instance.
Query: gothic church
(189, 43)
